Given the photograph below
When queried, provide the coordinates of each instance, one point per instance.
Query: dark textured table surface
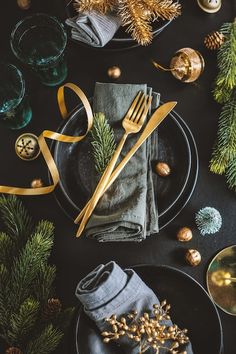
(73, 257)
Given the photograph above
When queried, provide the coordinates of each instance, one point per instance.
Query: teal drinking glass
(40, 41)
(15, 112)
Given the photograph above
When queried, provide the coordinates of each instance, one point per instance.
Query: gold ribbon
(55, 136)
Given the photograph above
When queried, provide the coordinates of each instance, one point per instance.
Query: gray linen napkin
(109, 290)
(93, 28)
(127, 211)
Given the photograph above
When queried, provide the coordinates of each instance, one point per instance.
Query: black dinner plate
(121, 39)
(191, 308)
(75, 164)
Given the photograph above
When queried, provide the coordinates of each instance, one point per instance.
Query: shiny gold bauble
(162, 169)
(193, 257)
(27, 147)
(187, 65)
(210, 6)
(114, 72)
(37, 183)
(24, 4)
(184, 234)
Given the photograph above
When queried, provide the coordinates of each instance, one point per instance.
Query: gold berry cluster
(148, 331)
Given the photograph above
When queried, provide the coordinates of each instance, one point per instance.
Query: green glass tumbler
(40, 41)
(15, 111)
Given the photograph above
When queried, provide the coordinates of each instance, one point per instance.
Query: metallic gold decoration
(147, 330)
(186, 65)
(221, 280)
(184, 234)
(193, 257)
(214, 40)
(27, 147)
(55, 136)
(24, 4)
(210, 6)
(162, 169)
(37, 183)
(114, 72)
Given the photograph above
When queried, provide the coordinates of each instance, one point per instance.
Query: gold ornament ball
(162, 169)
(193, 257)
(184, 234)
(114, 72)
(24, 4)
(210, 6)
(37, 183)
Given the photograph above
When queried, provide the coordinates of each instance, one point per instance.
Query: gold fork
(132, 123)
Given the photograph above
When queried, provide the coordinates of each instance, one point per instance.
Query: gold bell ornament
(186, 65)
(210, 6)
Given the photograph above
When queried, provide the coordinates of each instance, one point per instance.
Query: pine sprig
(22, 323)
(46, 342)
(103, 142)
(225, 149)
(26, 267)
(231, 174)
(16, 219)
(26, 283)
(226, 61)
(164, 9)
(43, 284)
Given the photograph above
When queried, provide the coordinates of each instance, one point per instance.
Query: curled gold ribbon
(55, 136)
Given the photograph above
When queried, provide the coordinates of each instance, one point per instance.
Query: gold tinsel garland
(136, 15)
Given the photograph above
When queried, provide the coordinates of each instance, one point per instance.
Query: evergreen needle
(103, 142)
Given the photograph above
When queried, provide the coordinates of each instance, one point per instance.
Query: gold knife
(157, 117)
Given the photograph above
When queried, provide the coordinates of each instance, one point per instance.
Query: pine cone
(13, 350)
(214, 40)
(52, 309)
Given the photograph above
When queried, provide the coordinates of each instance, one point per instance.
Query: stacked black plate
(176, 146)
(191, 308)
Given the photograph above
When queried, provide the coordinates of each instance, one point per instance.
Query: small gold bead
(114, 72)
(106, 340)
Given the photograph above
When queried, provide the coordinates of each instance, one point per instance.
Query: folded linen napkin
(109, 290)
(93, 28)
(127, 211)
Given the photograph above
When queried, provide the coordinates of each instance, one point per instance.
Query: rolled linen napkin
(93, 28)
(127, 211)
(109, 290)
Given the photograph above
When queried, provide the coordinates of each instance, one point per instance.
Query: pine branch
(103, 142)
(164, 9)
(43, 284)
(226, 60)
(137, 20)
(26, 267)
(6, 248)
(46, 342)
(17, 221)
(231, 174)
(22, 323)
(225, 149)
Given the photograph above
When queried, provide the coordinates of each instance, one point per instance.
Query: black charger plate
(121, 40)
(75, 164)
(191, 308)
